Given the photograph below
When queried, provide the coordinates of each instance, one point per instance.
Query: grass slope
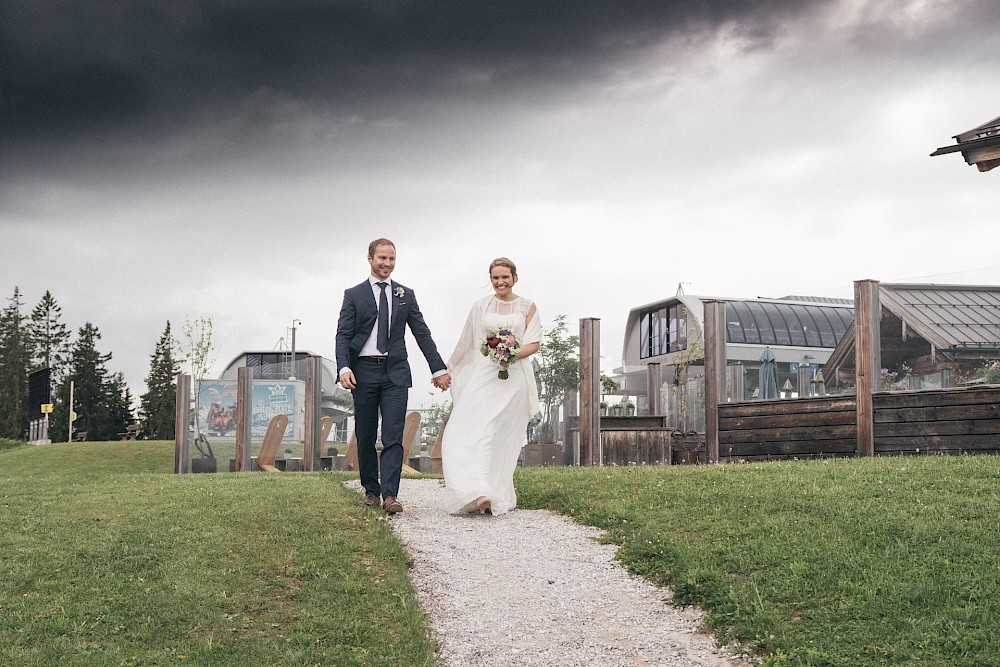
(106, 558)
(878, 561)
(109, 559)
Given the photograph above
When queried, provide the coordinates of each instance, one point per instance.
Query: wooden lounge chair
(436, 450)
(295, 464)
(352, 453)
(410, 431)
(272, 442)
(411, 428)
(325, 426)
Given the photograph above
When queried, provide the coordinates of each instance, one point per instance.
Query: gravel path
(531, 587)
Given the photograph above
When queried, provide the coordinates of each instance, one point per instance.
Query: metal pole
(291, 372)
(69, 432)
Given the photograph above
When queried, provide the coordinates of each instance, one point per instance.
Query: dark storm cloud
(125, 71)
(94, 83)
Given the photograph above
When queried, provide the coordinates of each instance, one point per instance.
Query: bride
(489, 418)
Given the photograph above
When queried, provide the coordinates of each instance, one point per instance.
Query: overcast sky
(232, 160)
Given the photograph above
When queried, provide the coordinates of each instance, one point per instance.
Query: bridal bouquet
(501, 345)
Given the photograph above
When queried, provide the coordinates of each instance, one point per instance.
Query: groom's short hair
(376, 243)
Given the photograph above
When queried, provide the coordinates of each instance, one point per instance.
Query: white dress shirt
(370, 348)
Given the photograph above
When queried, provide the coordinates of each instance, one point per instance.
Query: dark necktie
(383, 320)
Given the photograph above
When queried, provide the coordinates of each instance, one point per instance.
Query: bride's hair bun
(503, 261)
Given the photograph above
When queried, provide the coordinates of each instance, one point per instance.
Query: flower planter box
(541, 455)
(204, 464)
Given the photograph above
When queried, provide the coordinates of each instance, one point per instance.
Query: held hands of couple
(348, 381)
(442, 382)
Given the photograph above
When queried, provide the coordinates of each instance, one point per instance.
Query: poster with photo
(216, 407)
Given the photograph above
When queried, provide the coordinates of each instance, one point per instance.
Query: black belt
(374, 360)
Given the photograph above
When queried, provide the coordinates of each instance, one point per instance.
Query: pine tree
(14, 361)
(118, 403)
(159, 403)
(102, 401)
(49, 338)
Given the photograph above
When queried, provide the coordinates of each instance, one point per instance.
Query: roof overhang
(979, 146)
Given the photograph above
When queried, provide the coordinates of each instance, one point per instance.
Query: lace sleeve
(532, 324)
(468, 342)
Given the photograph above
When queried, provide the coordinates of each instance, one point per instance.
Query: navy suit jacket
(358, 317)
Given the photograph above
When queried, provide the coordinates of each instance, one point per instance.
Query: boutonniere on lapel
(400, 292)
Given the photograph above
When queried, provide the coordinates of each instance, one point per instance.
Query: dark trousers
(375, 395)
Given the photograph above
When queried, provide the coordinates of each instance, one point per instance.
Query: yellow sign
(73, 415)
(46, 408)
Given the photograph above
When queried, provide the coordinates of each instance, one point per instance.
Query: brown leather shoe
(371, 500)
(391, 505)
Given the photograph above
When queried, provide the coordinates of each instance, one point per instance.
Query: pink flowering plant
(501, 345)
(990, 372)
(891, 380)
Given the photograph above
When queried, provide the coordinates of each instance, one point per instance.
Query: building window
(794, 325)
(662, 331)
(274, 365)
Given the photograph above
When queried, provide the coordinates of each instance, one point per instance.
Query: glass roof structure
(799, 325)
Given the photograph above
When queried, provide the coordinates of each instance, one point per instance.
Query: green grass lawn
(846, 562)
(106, 558)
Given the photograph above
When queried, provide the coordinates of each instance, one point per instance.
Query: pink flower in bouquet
(501, 345)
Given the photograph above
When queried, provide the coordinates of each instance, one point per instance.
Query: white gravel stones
(533, 588)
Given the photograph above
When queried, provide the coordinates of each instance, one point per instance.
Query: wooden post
(867, 360)
(244, 418)
(804, 380)
(571, 413)
(654, 385)
(737, 379)
(590, 391)
(313, 400)
(715, 374)
(182, 422)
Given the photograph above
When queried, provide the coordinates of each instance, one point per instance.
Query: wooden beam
(867, 360)
(590, 391)
(182, 422)
(715, 378)
(244, 417)
(313, 400)
(654, 385)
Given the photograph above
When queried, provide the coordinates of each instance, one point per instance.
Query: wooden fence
(943, 421)
(647, 440)
(939, 421)
(782, 429)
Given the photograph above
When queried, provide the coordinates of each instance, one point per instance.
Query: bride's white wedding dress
(488, 424)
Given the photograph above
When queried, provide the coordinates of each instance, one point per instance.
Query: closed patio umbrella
(767, 379)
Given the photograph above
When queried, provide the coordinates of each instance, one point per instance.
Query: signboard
(216, 407)
(38, 392)
(46, 408)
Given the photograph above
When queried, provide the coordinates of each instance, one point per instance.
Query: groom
(371, 356)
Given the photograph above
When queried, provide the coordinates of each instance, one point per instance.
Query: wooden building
(979, 146)
(931, 336)
(798, 330)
